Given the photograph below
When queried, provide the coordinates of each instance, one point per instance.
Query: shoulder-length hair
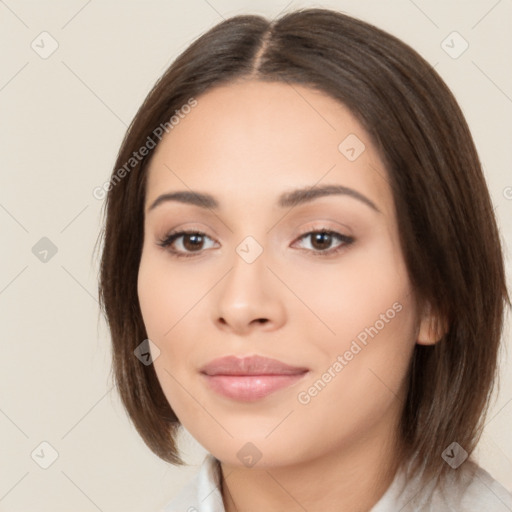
(448, 232)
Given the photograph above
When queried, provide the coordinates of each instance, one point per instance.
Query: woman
(302, 267)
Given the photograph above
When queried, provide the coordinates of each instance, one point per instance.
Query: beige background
(62, 120)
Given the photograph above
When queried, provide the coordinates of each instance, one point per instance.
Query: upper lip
(251, 365)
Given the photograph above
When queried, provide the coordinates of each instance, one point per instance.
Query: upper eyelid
(312, 229)
(323, 225)
(179, 233)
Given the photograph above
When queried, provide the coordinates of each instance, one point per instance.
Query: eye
(189, 243)
(185, 243)
(321, 241)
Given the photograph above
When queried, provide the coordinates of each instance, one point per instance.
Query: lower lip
(250, 387)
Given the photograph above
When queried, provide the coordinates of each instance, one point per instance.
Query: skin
(245, 144)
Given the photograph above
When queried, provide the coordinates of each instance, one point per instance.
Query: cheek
(169, 298)
(369, 308)
(165, 295)
(363, 290)
(360, 382)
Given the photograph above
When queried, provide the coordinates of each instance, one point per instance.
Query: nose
(248, 298)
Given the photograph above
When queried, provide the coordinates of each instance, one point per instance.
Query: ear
(432, 327)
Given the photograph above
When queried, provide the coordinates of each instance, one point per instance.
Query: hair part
(448, 232)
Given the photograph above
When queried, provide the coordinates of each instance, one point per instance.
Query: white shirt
(476, 492)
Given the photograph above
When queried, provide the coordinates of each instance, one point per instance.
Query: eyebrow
(285, 200)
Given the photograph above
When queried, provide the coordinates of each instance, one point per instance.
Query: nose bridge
(247, 280)
(249, 291)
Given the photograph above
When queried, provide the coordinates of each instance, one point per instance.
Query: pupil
(195, 239)
(322, 240)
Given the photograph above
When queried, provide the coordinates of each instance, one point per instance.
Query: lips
(253, 365)
(250, 378)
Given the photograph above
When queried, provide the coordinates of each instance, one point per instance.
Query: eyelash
(173, 236)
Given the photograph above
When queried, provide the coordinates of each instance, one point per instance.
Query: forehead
(255, 139)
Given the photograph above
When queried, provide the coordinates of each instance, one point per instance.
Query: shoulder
(484, 493)
(202, 493)
(471, 489)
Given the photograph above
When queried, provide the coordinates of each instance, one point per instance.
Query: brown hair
(448, 231)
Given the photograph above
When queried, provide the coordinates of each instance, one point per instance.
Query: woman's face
(335, 310)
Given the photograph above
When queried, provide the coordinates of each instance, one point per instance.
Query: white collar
(476, 491)
(202, 493)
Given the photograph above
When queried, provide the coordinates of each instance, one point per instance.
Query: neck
(350, 479)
